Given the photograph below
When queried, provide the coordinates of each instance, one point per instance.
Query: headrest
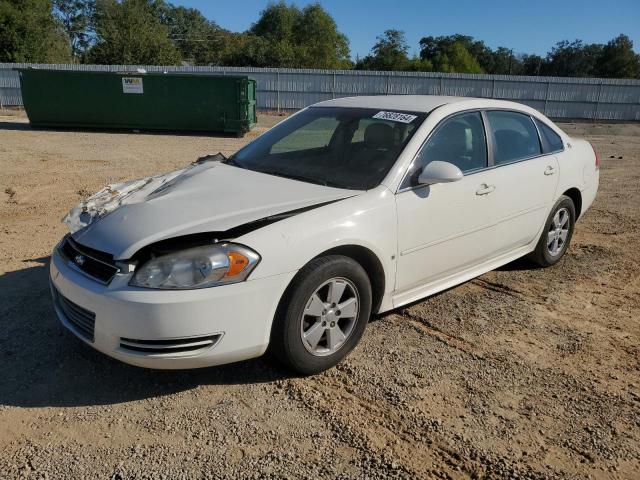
(454, 132)
(378, 135)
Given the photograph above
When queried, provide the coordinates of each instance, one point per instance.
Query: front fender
(367, 220)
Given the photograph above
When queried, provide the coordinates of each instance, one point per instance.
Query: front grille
(169, 346)
(96, 264)
(81, 320)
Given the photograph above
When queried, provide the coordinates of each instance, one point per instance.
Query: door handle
(550, 170)
(485, 189)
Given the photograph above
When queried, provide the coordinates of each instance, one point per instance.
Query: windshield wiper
(233, 162)
(301, 178)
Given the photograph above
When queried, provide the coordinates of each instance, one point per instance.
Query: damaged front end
(113, 196)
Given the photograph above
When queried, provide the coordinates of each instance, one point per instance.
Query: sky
(526, 26)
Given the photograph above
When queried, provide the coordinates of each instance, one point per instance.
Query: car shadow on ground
(520, 265)
(43, 365)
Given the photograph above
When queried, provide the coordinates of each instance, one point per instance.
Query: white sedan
(350, 207)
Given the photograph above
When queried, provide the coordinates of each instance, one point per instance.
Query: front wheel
(323, 315)
(557, 233)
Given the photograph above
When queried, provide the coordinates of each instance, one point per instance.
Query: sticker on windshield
(395, 117)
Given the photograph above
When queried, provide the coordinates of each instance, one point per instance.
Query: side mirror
(439, 172)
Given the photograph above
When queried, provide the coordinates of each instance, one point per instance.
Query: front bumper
(235, 318)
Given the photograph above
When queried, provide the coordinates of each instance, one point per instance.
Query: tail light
(597, 157)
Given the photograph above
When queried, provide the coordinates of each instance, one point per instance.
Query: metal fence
(289, 89)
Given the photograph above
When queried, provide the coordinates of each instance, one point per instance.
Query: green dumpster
(145, 101)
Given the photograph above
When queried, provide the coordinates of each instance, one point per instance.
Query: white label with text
(132, 85)
(395, 117)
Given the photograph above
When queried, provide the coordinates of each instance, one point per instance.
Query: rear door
(528, 177)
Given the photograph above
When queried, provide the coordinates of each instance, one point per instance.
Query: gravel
(521, 373)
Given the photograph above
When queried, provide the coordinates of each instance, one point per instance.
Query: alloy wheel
(329, 316)
(558, 232)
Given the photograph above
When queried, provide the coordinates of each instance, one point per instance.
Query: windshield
(351, 148)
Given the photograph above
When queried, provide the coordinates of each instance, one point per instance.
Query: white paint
(427, 239)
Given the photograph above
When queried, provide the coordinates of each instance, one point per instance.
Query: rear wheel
(557, 233)
(323, 316)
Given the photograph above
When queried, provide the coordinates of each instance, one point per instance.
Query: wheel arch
(371, 264)
(576, 197)
(366, 258)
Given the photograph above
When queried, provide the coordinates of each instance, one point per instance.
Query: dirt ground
(521, 373)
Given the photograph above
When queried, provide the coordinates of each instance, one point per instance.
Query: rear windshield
(351, 148)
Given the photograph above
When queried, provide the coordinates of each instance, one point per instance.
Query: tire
(310, 333)
(549, 250)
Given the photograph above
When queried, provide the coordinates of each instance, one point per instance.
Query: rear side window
(551, 141)
(514, 136)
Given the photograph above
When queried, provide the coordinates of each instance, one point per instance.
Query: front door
(446, 228)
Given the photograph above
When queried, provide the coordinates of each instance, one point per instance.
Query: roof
(413, 103)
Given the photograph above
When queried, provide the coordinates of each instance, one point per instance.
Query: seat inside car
(456, 144)
(511, 144)
(374, 152)
(378, 136)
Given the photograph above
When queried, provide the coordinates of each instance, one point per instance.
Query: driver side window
(459, 140)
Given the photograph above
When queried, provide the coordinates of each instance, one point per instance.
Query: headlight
(199, 267)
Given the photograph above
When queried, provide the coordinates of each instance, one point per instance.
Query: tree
(130, 32)
(276, 22)
(505, 62)
(456, 59)
(453, 53)
(245, 49)
(617, 59)
(285, 36)
(30, 33)
(199, 41)
(533, 65)
(389, 53)
(272, 36)
(319, 43)
(75, 15)
(573, 59)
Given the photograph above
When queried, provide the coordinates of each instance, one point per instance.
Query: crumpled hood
(207, 197)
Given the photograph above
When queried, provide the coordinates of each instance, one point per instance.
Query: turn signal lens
(237, 263)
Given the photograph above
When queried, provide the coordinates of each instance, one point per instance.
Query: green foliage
(319, 43)
(618, 59)
(573, 59)
(130, 32)
(566, 59)
(30, 33)
(456, 59)
(74, 15)
(463, 54)
(199, 41)
(531, 65)
(285, 36)
(389, 53)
